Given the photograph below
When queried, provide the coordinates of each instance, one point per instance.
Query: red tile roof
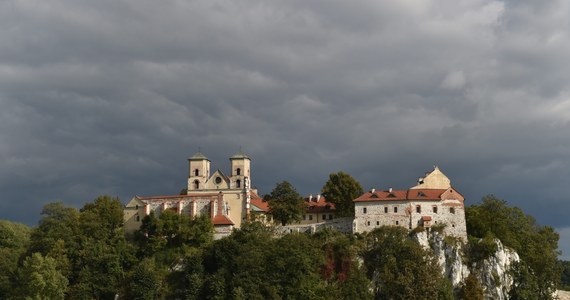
(411, 194)
(258, 202)
(393, 195)
(222, 220)
(317, 206)
(181, 197)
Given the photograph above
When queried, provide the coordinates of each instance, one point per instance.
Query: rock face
(493, 272)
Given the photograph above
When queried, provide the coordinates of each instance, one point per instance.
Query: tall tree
(341, 189)
(14, 239)
(537, 245)
(104, 255)
(285, 204)
(40, 279)
(399, 267)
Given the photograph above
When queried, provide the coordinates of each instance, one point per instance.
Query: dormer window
(421, 194)
(238, 171)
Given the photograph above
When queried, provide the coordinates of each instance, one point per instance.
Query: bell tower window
(238, 171)
(196, 184)
(238, 183)
(196, 172)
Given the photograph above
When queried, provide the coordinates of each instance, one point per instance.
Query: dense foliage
(84, 254)
(285, 204)
(538, 273)
(341, 189)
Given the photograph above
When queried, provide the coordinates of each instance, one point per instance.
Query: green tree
(146, 281)
(104, 255)
(285, 204)
(536, 245)
(471, 289)
(14, 240)
(399, 267)
(565, 278)
(341, 189)
(58, 223)
(40, 279)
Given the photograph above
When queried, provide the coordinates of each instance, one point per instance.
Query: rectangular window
(324, 217)
(304, 217)
(395, 209)
(368, 223)
(397, 222)
(330, 217)
(364, 210)
(377, 223)
(310, 217)
(435, 209)
(418, 209)
(452, 210)
(385, 209)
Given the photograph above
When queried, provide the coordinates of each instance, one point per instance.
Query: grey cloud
(111, 97)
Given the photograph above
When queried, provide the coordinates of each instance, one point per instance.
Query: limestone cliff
(492, 272)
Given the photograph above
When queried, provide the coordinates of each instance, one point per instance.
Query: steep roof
(222, 220)
(433, 180)
(198, 156)
(258, 203)
(239, 155)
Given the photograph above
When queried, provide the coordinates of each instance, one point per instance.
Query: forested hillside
(84, 254)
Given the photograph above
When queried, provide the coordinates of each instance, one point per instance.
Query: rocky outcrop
(492, 272)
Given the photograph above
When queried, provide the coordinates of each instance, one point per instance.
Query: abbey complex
(229, 200)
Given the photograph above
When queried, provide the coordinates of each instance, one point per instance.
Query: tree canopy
(539, 272)
(285, 204)
(84, 254)
(341, 189)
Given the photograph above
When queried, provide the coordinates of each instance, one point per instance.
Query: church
(227, 199)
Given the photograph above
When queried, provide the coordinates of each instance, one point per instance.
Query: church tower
(240, 170)
(199, 171)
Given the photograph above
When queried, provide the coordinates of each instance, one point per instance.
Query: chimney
(390, 189)
(373, 190)
(318, 197)
(310, 197)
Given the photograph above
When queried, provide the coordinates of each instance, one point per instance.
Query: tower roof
(198, 156)
(240, 155)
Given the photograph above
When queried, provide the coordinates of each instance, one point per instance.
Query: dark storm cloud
(111, 97)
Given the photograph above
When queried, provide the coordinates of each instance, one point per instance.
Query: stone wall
(408, 214)
(340, 224)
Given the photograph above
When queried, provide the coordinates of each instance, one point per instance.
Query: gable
(218, 181)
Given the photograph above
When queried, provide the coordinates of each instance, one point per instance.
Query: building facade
(225, 198)
(433, 201)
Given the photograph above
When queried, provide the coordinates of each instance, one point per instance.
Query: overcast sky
(112, 97)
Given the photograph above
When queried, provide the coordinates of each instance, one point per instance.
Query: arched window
(238, 183)
(196, 184)
(238, 171)
(196, 172)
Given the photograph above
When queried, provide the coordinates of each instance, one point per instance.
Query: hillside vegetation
(84, 254)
